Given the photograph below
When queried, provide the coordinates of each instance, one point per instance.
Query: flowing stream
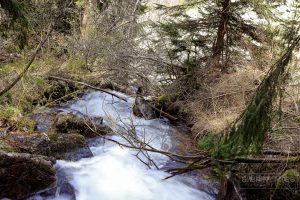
(115, 173)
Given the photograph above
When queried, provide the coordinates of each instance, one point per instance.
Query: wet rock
(34, 143)
(141, 108)
(60, 146)
(89, 127)
(23, 175)
(63, 187)
(43, 120)
(69, 147)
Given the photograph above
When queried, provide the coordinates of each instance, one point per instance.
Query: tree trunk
(87, 18)
(222, 30)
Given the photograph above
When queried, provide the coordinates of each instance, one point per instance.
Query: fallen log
(282, 153)
(86, 85)
(268, 160)
(167, 115)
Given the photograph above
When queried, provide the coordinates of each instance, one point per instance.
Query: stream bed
(117, 173)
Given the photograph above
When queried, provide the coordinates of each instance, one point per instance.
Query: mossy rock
(70, 123)
(66, 142)
(34, 143)
(69, 147)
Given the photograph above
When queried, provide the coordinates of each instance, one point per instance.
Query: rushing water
(115, 173)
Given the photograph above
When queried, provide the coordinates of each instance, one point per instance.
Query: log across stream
(115, 173)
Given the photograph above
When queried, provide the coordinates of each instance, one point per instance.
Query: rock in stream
(24, 174)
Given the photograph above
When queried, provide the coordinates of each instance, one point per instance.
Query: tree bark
(222, 31)
(88, 14)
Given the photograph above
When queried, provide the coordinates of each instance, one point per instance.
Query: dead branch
(165, 114)
(191, 167)
(87, 85)
(166, 153)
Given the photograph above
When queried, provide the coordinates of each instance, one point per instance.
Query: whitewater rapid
(115, 173)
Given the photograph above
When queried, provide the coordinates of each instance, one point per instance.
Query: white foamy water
(115, 173)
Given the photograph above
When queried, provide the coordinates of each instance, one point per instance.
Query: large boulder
(142, 108)
(89, 127)
(34, 143)
(24, 174)
(58, 145)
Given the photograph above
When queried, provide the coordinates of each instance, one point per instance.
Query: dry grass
(223, 100)
(220, 102)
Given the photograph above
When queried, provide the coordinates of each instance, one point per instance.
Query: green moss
(144, 8)
(79, 4)
(15, 117)
(66, 142)
(8, 68)
(9, 113)
(291, 173)
(161, 99)
(25, 124)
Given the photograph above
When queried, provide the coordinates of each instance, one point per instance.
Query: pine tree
(218, 36)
